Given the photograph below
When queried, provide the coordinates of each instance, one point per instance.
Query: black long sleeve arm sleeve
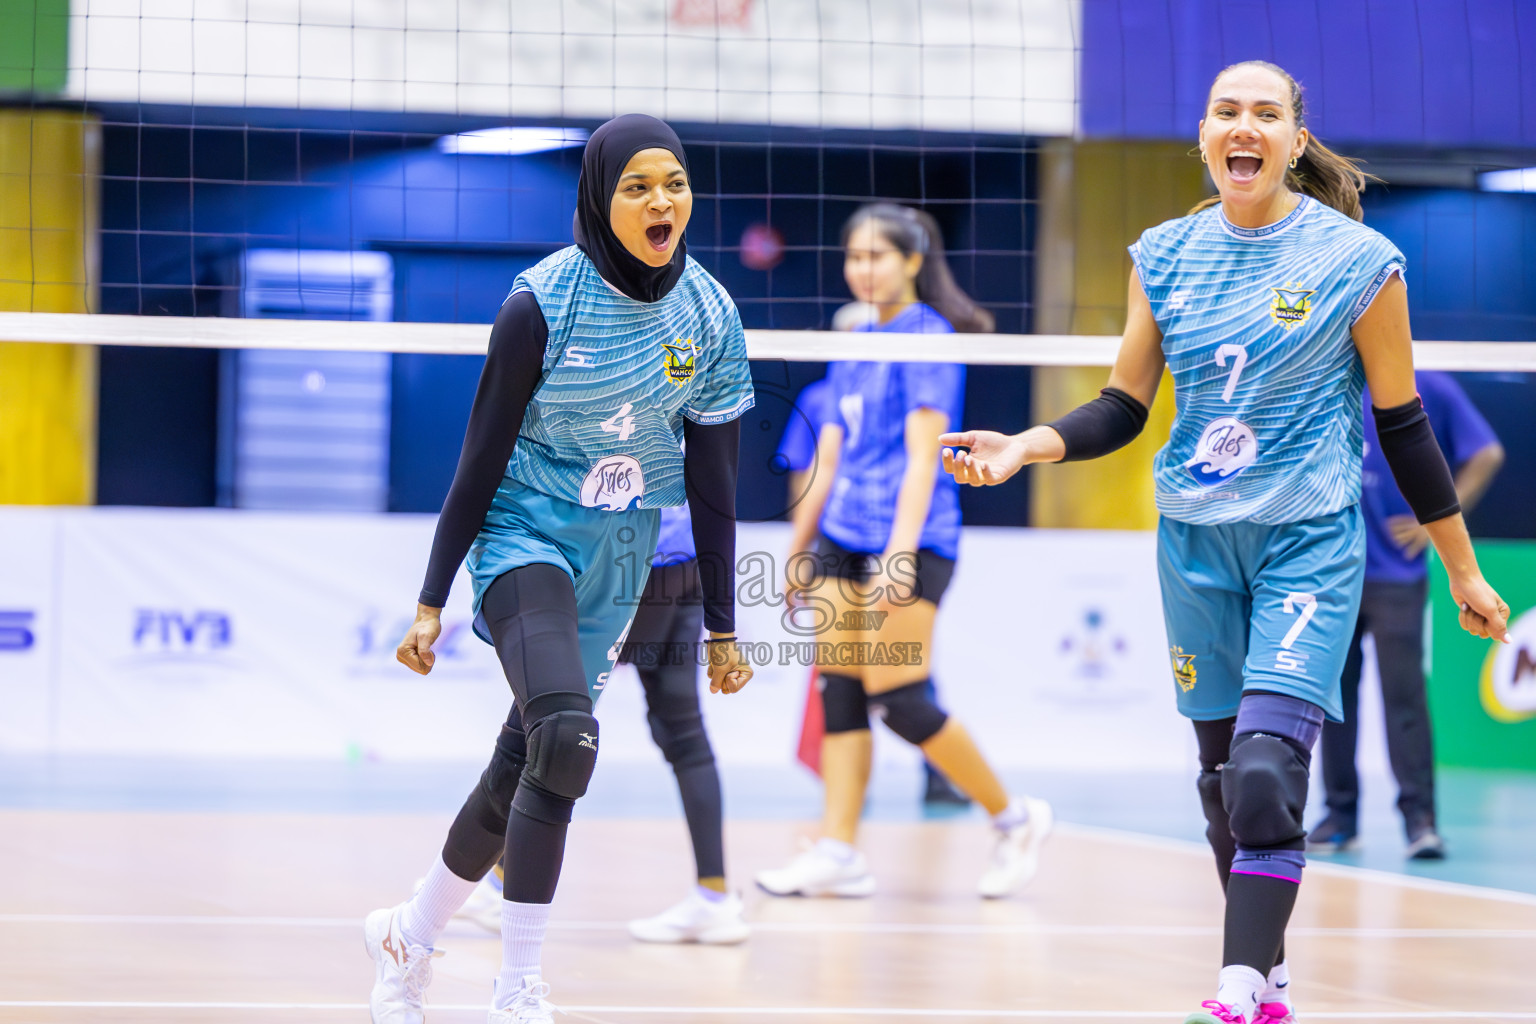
(1104, 425)
(513, 364)
(1418, 466)
(710, 460)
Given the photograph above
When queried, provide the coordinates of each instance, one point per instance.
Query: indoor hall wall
(1472, 277)
(1096, 198)
(49, 205)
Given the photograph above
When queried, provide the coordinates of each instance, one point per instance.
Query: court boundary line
(806, 928)
(771, 1011)
(798, 928)
(1419, 882)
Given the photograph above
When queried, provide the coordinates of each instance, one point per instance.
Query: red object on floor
(812, 725)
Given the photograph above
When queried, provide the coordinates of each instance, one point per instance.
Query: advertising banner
(223, 633)
(1482, 694)
(28, 553)
(240, 634)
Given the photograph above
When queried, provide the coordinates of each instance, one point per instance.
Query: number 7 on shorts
(1304, 606)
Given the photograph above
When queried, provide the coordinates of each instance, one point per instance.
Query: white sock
(836, 849)
(1012, 816)
(522, 940)
(1239, 987)
(709, 895)
(426, 914)
(1277, 987)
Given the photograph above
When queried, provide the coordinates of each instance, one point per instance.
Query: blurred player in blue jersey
(885, 527)
(603, 360)
(796, 455)
(1272, 306)
(1392, 611)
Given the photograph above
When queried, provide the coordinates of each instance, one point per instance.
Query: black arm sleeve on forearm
(710, 459)
(1106, 424)
(513, 364)
(1408, 444)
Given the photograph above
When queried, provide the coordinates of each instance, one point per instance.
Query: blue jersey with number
(1256, 330)
(871, 401)
(605, 426)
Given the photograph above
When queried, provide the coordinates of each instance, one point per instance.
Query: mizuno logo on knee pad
(562, 751)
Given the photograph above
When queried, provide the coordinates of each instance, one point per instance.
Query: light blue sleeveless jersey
(605, 426)
(1256, 330)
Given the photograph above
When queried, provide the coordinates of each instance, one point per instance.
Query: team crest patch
(1291, 305)
(678, 360)
(1183, 668)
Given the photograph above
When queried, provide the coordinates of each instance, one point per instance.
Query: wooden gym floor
(140, 916)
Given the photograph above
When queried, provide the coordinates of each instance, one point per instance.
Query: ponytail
(1330, 178)
(916, 231)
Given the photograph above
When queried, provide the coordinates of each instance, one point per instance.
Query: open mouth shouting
(1243, 165)
(659, 236)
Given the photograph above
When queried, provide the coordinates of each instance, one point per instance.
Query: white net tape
(807, 346)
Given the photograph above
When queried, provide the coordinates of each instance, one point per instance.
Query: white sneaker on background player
(826, 868)
(529, 1006)
(713, 922)
(401, 972)
(1017, 853)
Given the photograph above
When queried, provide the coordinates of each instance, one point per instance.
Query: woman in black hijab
(605, 358)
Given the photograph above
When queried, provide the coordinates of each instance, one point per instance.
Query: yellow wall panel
(49, 263)
(47, 424)
(1096, 198)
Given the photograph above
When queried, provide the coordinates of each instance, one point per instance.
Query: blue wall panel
(1399, 72)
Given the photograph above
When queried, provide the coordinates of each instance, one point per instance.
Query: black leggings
(531, 615)
(662, 646)
(1214, 740)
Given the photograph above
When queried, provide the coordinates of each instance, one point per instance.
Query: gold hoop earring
(1202, 157)
(1293, 161)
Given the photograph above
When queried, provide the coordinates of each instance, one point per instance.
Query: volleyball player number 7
(1271, 306)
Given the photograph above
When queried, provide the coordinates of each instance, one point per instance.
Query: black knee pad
(844, 705)
(562, 751)
(909, 712)
(1209, 787)
(1264, 790)
(498, 783)
(1218, 828)
(681, 739)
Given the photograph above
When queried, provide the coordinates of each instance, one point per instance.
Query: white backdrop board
(29, 550)
(958, 65)
(256, 634)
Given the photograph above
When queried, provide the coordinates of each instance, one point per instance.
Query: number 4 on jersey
(621, 422)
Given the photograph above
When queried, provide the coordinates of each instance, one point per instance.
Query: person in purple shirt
(873, 550)
(1392, 611)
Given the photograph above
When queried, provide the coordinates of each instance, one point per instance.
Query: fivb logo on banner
(16, 630)
(160, 631)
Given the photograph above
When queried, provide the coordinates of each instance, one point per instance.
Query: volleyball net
(257, 207)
